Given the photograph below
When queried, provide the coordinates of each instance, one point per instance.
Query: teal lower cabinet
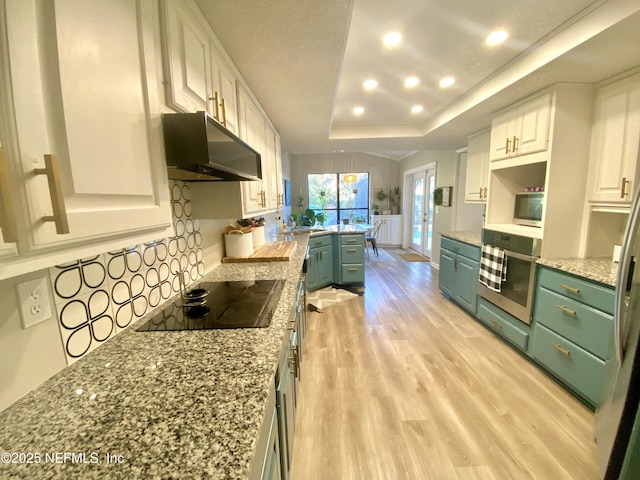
(573, 331)
(458, 277)
(348, 264)
(503, 324)
(320, 268)
(266, 461)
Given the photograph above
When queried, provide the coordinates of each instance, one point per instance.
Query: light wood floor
(401, 384)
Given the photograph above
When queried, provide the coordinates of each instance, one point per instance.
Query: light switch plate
(34, 300)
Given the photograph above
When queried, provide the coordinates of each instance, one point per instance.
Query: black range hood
(199, 149)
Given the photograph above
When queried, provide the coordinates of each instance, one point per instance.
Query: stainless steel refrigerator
(617, 419)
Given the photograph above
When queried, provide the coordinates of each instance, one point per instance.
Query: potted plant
(394, 200)
(376, 209)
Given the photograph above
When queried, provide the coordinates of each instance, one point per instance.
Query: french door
(424, 184)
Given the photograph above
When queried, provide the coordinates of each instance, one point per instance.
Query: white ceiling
(306, 60)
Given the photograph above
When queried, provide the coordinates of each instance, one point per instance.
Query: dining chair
(370, 238)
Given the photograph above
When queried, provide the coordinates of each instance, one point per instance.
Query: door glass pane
(418, 210)
(432, 187)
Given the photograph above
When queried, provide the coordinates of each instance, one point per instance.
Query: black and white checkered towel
(493, 267)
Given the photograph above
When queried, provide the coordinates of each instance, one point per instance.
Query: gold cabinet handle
(292, 324)
(623, 190)
(223, 107)
(352, 269)
(7, 214)
(514, 147)
(216, 101)
(506, 148)
(52, 171)
(481, 193)
(496, 325)
(563, 351)
(570, 289)
(566, 310)
(351, 250)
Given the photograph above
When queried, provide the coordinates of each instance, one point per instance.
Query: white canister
(258, 236)
(238, 244)
(617, 249)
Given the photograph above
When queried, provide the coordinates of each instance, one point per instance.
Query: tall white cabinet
(94, 128)
(477, 179)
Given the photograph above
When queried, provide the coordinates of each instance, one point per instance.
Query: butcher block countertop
(269, 252)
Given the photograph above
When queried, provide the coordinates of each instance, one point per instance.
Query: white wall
(382, 171)
(445, 161)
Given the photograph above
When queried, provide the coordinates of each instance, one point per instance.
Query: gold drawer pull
(216, 103)
(352, 269)
(566, 310)
(623, 190)
(571, 289)
(223, 108)
(563, 351)
(7, 213)
(351, 250)
(506, 148)
(351, 241)
(515, 144)
(496, 325)
(52, 171)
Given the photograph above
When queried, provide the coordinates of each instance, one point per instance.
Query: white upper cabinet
(615, 142)
(522, 130)
(274, 180)
(224, 89)
(94, 127)
(8, 225)
(477, 178)
(187, 59)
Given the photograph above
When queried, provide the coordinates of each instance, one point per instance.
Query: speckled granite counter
(172, 404)
(473, 238)
(601, 270)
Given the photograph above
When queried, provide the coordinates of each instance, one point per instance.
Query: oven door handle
(520, 256)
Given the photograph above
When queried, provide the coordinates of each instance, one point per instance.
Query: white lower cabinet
(390, 232)
(97, 128)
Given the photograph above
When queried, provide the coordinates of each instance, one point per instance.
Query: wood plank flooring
(402, 384)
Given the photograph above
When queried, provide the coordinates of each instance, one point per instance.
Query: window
(340, 199)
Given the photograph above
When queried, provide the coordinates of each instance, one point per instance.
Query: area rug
(328, 296)
(414, 257)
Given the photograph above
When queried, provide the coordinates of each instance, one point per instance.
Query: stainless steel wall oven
(516, 292)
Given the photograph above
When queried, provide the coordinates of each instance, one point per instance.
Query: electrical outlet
(34, 301)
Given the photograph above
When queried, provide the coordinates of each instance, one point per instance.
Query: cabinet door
(503, 128)
(286, 408)
(395, 230)
(8, 226)
(325, 265)
(187, 59)
(252, 131)
(101, 123)
(466, 291)
(312, 269)
(224, 83)
(532, 128)
(477, 168)
(447, 275)
(384, 234)
(274, 179)
(615, 143)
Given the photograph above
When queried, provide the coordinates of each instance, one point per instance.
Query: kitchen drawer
(503, 324)
(597, 296)
(319, 241)
(589, 328)
(352, 240)
(464, 249)
(353, 273)
(573, 365)
(352, 254)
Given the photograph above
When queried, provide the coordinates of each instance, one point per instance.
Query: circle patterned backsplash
(98, 297)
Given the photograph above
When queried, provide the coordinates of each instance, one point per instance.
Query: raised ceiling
(306, 62)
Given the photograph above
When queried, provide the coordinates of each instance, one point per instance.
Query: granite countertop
(472, 238)
(177, 405)
(329, 229)
(601, 270)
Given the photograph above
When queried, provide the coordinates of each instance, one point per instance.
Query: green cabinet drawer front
(499, 321)
(575, 366)
(466, 293)
(320, 241)
(353, 273)
(352, 254)
(352, 239)
(470, 251)
(589, 328)
(583, 291)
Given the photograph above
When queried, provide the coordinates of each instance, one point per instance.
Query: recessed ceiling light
(358, 110)
(411, 82)
(392, 39)
(446, 82)
(370, 84)
(497, 37)
(417, 109)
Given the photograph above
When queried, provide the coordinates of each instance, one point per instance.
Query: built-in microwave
(528, 209)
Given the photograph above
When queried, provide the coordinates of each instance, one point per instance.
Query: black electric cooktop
(245, 304)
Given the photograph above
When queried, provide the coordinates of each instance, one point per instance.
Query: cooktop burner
(245, 304)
